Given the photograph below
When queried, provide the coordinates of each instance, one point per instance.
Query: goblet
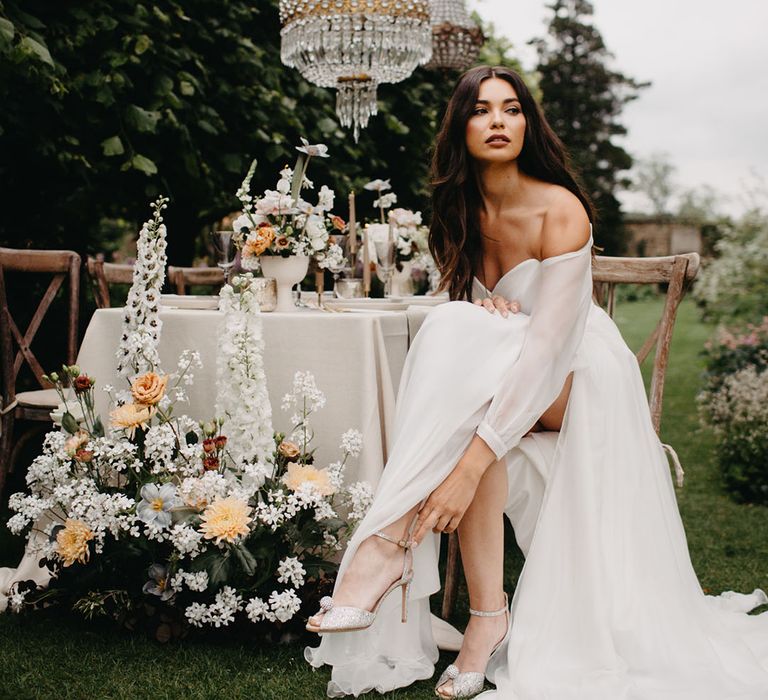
(224, 245)
(385, 264)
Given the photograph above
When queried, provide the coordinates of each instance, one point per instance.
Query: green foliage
(734, 285)
(583, 99)
(107, 104)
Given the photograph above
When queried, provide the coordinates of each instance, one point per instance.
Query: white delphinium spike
(141, 320)
(241, 382)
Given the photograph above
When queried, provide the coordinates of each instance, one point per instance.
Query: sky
(707, 60)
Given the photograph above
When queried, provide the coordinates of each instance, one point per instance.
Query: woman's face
(496, 127)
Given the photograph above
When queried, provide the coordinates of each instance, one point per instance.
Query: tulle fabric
(607, 606)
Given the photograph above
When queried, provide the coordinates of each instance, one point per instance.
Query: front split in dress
(607, 606)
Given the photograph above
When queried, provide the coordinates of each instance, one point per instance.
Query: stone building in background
(653, 236)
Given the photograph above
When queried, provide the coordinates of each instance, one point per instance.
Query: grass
(56, 655)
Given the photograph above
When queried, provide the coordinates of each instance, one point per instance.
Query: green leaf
(208, 127)
(139, 162)
(191, 438)
(218, 570)
(142, 119)
(69, 423)
(112, 146)
(143, 42)
(33, 47)
(186, 88)
(7, 31)
(98, 427)
(246, 559)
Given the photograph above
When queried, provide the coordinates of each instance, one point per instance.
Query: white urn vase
(402, 282)
(286, 272)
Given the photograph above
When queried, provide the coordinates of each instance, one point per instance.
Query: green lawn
(54, 655)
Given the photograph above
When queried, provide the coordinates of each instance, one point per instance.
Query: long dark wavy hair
(454, 235)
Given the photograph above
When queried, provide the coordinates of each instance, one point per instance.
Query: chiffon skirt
(607, 606)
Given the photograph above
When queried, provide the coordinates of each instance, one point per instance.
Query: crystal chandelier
(353, 45)
(456, 39)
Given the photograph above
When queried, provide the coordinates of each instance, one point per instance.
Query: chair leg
(452, 566)
(6, 443)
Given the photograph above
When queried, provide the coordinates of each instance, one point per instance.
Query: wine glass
(385, 264)
(224, 245)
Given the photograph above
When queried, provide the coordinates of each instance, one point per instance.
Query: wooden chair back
(183, 277)
(102, 275)
(63, 265)
(675, 271)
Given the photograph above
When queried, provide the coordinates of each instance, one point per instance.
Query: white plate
(189, 301)
(389, 304)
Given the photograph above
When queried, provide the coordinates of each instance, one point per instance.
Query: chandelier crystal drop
(456, 39)
(353, 46)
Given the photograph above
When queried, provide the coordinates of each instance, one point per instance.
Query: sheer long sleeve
(556, 328)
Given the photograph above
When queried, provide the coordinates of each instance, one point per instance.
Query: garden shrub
(734, 403)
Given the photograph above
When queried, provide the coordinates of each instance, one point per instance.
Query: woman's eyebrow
(507, 101)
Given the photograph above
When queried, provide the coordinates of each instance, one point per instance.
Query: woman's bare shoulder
(565, 227)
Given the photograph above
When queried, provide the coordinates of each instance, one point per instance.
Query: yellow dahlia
(72, 542)
(298, 475)
(131, 416)
(225, 519)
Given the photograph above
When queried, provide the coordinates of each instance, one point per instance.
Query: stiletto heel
(470, 683)
(349, 619)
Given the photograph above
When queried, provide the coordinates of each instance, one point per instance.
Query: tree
(107, 104)
(583, 99)
(654, 177)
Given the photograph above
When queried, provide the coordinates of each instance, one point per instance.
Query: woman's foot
(377, 564)
(482, 636)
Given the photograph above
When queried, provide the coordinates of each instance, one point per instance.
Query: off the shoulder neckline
(570, 253)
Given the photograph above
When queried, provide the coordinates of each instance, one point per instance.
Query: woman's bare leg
(481, 539)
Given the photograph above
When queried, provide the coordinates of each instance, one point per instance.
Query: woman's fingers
(499, 303)
(425, 522)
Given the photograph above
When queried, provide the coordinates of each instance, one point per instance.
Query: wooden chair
(31, 405)
(183, 277)
(676, 272)
(102, 275)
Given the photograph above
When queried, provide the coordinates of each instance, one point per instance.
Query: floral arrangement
(734, 404)
(409, 234)
(178, 523)
(281, 222)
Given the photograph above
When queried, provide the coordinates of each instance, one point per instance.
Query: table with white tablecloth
(356, 358)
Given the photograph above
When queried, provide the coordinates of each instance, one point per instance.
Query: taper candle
(366, 264)
(352, 224)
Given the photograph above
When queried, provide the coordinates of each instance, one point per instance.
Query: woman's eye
(514, 110)
(479, 110)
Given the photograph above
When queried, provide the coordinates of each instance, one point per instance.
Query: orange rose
(288, 449)
(258, 242)
(149, 388)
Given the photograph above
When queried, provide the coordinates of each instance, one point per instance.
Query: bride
(527, 402)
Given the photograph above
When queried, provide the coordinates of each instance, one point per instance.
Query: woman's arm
(537, 377)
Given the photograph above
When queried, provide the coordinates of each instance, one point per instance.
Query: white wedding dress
(607, 606)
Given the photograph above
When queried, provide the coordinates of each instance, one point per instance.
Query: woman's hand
(446, 505)
(500, 303)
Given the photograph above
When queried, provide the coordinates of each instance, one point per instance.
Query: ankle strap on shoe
(491, 613)
(405, 544)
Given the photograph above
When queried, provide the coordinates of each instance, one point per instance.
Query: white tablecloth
(356, 357)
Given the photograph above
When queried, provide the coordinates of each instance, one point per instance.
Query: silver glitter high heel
(470, 683)
(343, 618)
